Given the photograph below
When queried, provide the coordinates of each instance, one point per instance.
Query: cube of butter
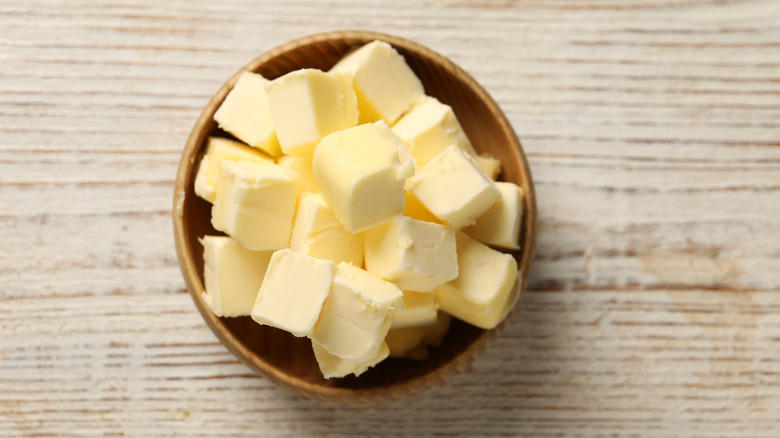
(302, 166)
(485, 290)
(245, 114)
(218, 149)
(357, 314)
(293, 292)
(415, 255)
(500, 224)
(385, 85)
(317, 233)
(255, 204)
(420, 308)
(490, 165)
(454, 188)
(333, 366)
(361, 173)
(429, 128)
(412, 342)
(232, 275)
(309, 104)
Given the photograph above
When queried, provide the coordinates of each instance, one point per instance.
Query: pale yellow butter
(309, 104)
(245, 114)
(420, 308)
(293, 292)
(302, 166)
(361, 173)
(490, 165)
(333, 366)
(255, 204)
(454, 188)
(232, 275)
(385, 85)
(412, 342)
(413, 254)
(357, 314)
(429, 128)
(218, 149)
(416, 210)
(485, 289)
(500, 224)
(317, 233)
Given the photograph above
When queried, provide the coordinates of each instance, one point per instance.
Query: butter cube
(309, 104)
(218, 149)
(500, 224)
(245, 114)
(385, 85)
(429, 128)
(454, 188)
(333, 366)
(232, 274)
(302, 166)
(490, 165)
(293, 292)
(361, 173)
(420, 308)
(317, 233)
(486, 289)
(415, 255)
(255, 204)
(357, 314)
(412, 342)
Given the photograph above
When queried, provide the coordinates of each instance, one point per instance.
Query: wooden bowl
(289, 361)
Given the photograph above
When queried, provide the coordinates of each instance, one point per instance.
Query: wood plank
(653, 132)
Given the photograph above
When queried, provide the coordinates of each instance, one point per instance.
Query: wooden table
(653, 133)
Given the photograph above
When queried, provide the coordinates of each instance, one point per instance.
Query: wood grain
(652, 132)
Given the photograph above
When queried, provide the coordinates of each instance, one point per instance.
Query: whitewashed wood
(653, 132)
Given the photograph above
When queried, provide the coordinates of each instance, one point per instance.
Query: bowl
(289, 361)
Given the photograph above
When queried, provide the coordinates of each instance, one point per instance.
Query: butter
(293, 292)
(255, 204)
(490, 165)
(385, 85)
(302, 166)
(245, 114)
(500, 224)
(361, 172)
(416, 210)
(357, 314)
(350, 191)
(217, 149)
(309, 104)
(486, 287)
(412, 342)
(415, 255)
(333, 366)
(429, 128)
(232, 275)
(317, 233)
(420, 308)
(454, 188)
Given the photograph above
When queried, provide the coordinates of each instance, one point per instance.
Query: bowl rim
(392, 391)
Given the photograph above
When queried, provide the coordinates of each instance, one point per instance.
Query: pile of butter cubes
(356, 213)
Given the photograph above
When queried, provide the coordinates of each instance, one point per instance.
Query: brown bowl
(289, 361)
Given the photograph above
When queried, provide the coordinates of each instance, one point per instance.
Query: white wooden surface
(653, 133)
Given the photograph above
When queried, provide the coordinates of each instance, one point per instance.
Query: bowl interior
(285, 359)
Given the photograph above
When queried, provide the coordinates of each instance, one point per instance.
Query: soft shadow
(512, 384)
